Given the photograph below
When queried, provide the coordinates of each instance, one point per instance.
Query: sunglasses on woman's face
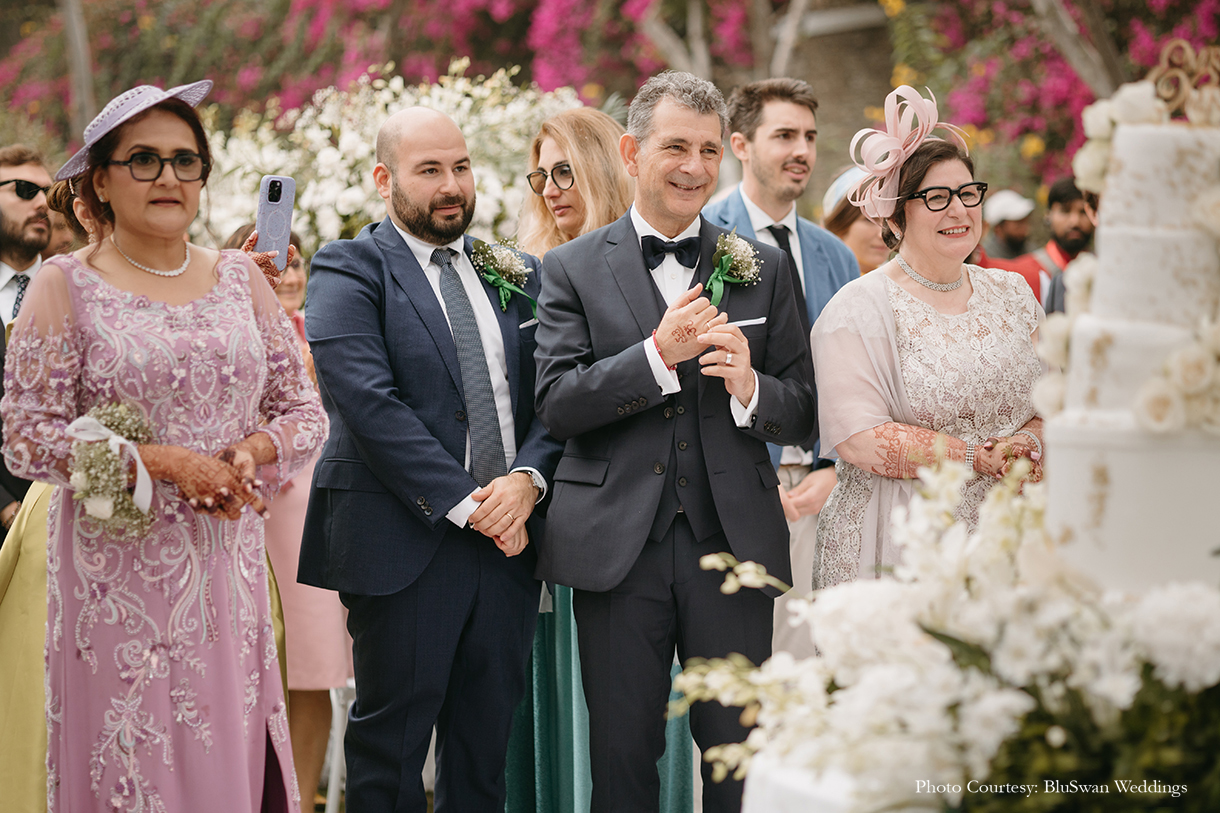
(561, 175)
(26, 190)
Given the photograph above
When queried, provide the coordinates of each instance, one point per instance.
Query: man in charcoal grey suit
(666, 404)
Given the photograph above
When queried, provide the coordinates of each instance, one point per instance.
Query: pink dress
(317, 648)
(163, 686)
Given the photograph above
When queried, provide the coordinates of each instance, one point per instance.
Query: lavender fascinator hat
(122, 108)
(909, 121)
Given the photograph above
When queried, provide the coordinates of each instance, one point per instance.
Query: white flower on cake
(1138, 103)
(100, 507)
(1192, 368)
(1159, 406)
(1207, 211)
(1203, 106)
(1049, 393)
(1098, 119)
(1078, 282)
(1053, 337)
(1089, 165)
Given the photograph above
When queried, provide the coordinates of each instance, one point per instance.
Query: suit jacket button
(658, 468)
(427, 512)
(682, 445)
(621, 410)
(669, 412)
(635, 404)
(681, 481)
(681, 410)
(460, 415)
(421, 502)
(643, 401)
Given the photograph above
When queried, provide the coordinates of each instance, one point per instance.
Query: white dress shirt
(760, 221)
(493, 349)
(672, 280)
(8, 287)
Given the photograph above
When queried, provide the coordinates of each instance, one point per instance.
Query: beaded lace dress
(163, 684)
(882, 355)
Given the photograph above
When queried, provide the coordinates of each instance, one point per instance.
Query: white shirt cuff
(459, 514)
(539, 481)
(743, 416)
(666, 378)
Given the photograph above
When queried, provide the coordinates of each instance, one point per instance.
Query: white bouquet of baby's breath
(99, 474)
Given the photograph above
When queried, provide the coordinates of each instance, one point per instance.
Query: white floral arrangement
(1186, 394)
(502, 266)
(99, 469)
(329, 147)
(1133, 103)
(984, 664)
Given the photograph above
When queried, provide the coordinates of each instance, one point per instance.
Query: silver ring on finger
(728, 359)
(511, 518)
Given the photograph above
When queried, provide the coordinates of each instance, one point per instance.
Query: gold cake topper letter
(1189, 81)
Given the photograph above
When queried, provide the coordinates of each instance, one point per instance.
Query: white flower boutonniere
(503, 269)
(735, 261)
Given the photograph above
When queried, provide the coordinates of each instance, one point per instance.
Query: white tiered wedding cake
(1133, 473)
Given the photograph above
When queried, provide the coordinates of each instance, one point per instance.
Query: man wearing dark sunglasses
(25, 231)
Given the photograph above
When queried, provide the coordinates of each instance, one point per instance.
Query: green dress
(548, 753)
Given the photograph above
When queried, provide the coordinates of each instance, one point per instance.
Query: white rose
(1089, 166)
(1207, 210)
(1099, 119)
(1137, 103)
(1159, 406)
(79, 481)
(1192, 368)
(1053, 336)
(1049, 393)
(1078, 283)
(100, 507)
(1203, 106)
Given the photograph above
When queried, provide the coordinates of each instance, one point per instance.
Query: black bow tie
(655, 249)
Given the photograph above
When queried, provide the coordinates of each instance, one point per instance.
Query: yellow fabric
(23, 622)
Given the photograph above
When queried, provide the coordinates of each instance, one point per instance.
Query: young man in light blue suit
(773, 132)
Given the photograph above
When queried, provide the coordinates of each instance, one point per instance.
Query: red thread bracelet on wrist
(657, 345)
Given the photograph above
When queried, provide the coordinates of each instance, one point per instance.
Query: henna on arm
(897, 450)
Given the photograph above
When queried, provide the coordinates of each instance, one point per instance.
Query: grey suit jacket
(597, 393)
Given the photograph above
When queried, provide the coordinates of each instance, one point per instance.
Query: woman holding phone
(162, 672)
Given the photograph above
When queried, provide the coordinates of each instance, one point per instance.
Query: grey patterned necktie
(486, 443)
(23, 282)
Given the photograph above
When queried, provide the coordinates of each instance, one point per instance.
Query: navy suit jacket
(828, 263)
(388, 371)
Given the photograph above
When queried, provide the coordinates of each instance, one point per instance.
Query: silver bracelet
(970, 455)
(1031, 436)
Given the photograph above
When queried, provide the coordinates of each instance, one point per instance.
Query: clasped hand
(220, 486)
(995, 456)
(504, 505)
(690, 326)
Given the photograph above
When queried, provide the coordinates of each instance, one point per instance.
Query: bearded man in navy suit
(423, 501)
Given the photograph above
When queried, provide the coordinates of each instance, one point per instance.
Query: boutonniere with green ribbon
(504, 270)
(735, 261)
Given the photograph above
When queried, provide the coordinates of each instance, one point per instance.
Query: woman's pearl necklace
(927, 283)
(175, 273)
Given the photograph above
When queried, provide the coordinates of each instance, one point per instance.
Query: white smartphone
(276, 195)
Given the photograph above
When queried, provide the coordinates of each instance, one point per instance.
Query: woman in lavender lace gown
(926, 355)
(163, 684)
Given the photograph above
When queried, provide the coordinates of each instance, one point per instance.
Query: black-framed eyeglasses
(26, 190)
(148, 166)
(937, 198)
(561, 175)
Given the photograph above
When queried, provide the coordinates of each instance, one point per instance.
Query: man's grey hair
(682, 88)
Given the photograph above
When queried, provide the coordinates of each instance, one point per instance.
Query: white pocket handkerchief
(524, 325)
(762, 320)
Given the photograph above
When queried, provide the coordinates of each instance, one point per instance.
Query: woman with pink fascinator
(925, 357)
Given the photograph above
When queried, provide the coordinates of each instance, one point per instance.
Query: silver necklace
(927, 283)
(175, 273)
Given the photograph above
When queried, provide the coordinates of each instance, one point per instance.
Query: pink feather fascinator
(909, 121)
